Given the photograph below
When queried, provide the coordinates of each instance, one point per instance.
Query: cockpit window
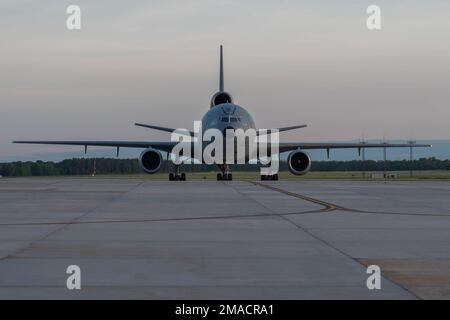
(230, 119)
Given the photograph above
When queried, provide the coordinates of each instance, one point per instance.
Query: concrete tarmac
(146, 239)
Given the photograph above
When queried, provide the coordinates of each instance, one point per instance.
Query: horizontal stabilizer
(160, 128)
(282, 129)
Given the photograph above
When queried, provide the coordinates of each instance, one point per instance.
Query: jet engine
(221, 97)
(150, 160)
(299, 162)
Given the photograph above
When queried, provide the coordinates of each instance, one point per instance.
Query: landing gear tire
(176, 177)
(224, 174)
(224, 177)
(273, 177)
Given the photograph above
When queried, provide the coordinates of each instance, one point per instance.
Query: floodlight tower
(363, 158)
(411, 142)
(384, 158)
(94, 168)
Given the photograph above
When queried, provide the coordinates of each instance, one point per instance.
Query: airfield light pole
(411, 142)
(363, 160)
(384, 159)
(94, 168)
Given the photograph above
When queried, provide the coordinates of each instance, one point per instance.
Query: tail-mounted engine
(221, 97)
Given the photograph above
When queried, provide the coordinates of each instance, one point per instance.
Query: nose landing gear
(226, 174)
(224, 177)
(177, 176)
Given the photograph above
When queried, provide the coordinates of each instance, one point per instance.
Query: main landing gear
(177, 176)
(224, 177)
(226, 174)
(273, 177)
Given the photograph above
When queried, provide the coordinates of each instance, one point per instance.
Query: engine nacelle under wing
(150, 160)
(299, 162)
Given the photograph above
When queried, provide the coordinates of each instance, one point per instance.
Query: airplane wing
(288, 146)
(283, 146)
(160, 145)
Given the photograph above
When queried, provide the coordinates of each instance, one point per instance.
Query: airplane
(224, 114)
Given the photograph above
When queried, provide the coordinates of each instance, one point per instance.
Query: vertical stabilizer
(221, 84)
(221, 96)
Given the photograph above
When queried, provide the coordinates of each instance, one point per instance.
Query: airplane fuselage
(227, 116)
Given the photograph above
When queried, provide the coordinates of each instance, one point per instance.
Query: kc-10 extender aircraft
(223, 114)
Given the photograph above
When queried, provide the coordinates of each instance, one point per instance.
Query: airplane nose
(225, 130)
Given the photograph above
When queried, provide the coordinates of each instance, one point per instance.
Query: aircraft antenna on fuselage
(221, 70)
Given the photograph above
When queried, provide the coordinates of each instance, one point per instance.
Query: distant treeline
(83, 166)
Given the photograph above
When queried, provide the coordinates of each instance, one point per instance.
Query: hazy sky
(287, 62)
